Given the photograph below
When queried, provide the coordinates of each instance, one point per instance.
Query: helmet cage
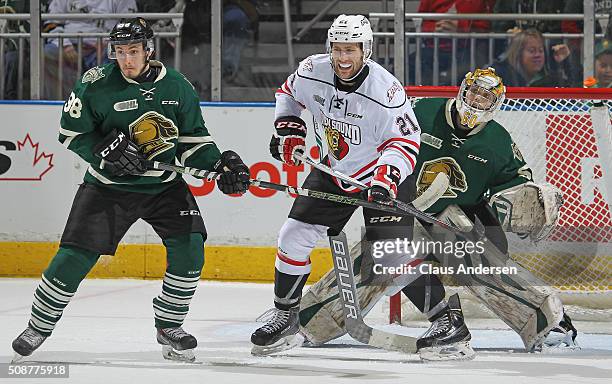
(480, 96)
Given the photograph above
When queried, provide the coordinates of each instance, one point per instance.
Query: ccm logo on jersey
(474, 157)
(190, 212)
(385, 219)
(170, 102)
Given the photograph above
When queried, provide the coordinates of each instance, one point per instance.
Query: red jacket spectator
(455, 6)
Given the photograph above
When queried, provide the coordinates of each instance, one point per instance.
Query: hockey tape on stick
(199, 173)
(398, 207)
(424, 201)
(353, 319)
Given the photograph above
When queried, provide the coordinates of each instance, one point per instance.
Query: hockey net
(554, 130)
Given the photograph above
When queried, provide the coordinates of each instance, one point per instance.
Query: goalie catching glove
(384, 184)
(234, 174)
(529, 209)
(119, 155)
(288, 139)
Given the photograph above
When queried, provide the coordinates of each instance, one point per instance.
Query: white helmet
(481, 93)
(351, 29)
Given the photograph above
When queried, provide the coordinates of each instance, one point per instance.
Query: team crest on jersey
(338, 133)
(153, 133)
(92, 75)
(447, 165)
(336, 143)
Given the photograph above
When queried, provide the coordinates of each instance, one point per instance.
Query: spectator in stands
(240, 18)
(11, 48)
(535, 7)
(577, 6)
(603, 64)
(576, 26)
(93, 52)
(526, 64)
(165, 48)
(445, 45)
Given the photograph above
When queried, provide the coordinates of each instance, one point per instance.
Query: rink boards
(38, 179)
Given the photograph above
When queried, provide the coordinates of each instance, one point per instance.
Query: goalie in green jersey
(490, 185)
(119, 117)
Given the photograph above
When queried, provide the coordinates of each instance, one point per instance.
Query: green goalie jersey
(162, 117)
(481, 163)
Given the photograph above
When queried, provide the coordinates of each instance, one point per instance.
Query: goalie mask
(351, 29)
(480, 95)
(131, 31)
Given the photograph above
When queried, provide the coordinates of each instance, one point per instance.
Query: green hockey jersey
(162, 117)
(479, 163)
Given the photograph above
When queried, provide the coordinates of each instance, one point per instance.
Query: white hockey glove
(529, 209)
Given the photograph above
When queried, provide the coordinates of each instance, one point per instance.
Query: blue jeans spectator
(236, 33)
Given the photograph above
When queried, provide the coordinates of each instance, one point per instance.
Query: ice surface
(107, 336)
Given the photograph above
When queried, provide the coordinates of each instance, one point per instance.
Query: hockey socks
(58, 285)
(185, 261)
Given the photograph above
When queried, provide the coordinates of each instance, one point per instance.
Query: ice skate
(177, 344)
(448, 338)
(26, 343)
(560, 339)
(280, 333)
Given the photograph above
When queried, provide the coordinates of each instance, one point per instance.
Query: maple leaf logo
(28, 162)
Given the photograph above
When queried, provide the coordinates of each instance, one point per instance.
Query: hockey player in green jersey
(485, 170)
(118, 117)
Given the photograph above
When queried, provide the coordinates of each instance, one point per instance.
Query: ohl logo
(23, 160)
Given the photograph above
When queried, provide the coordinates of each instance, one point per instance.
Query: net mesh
(556, 136)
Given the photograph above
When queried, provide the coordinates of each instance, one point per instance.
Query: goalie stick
(422, 202)
(397, 207)
(353, 319)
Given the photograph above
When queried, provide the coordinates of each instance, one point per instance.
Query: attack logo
(23, 160)
(337, 133)
(448, 166)
(336, 143)
(92, 75)
(153, 133)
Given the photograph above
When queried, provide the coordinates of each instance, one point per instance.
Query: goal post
(567, 142)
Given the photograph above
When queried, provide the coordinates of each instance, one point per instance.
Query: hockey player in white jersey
(362, 113)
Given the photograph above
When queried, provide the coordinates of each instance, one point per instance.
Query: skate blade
(286, 343)
(170, 353)
(562, 347)
(453, 352)
(17, 358)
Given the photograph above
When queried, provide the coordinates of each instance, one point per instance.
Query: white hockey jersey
(371, 126)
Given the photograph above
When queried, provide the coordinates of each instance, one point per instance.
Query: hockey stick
(435, 190)
(353, 319)
(398, 207)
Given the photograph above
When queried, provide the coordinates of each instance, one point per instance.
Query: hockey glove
(384, 184)
(288, 139)
(235, 176)
(119, 155)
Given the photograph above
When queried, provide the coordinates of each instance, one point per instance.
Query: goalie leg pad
(321, 316)
(521, 300)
